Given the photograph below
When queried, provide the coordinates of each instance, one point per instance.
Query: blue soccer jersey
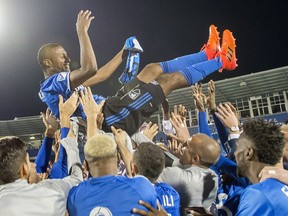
(110, 195)
(267, 198)
(169, 198)
(59, 84)
(233, 188)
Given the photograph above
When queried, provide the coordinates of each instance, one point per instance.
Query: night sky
(165, 29)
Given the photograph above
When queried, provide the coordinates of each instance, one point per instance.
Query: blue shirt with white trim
(267, 198)
(110, 195)
(168, 198)
(59, 84)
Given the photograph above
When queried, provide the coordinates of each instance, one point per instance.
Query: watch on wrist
(234, 129)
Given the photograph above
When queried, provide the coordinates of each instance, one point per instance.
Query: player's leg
(209, 51)
(226, 59)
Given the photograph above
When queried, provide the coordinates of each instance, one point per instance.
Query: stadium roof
(246, 86)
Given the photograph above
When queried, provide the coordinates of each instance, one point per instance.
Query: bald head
(206, 147)
(201, 150)
(45, 53)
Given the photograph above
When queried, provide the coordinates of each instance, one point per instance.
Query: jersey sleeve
(43, 156)
(57, 84)
(52, 87)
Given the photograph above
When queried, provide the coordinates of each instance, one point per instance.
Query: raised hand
(100, 120)
(67, 108)
(83, 21)
(181, 111)
(152, 211)
(175, 147)
(119, 136)
(227, 115)
(165, 109)
(151, 130)
(234, 110)
(90, 107)
(182, 132)
(199, 97)
(50, 122)
(126, 155)
(211, 96)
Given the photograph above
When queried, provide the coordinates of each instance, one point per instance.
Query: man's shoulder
(134, 181)
(58, 77)
(267, 191)
(265, 185)
(165, 188)
(164, 185)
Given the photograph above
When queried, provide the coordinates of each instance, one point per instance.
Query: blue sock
(183, 62)
(197, 72)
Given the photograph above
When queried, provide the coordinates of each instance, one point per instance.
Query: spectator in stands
(129, 111)
(48, 197)
(261, 144)
(198, 155)
(105, 192)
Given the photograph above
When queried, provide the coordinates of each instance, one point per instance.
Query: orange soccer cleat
(213, 45)
(228, 52)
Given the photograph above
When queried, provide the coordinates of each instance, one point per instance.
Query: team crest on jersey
(100, 211)
(134, 93)
(61, 76)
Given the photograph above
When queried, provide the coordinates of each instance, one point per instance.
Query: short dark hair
(12, 156)
(43, 52)
(267, 139)
(150, 160)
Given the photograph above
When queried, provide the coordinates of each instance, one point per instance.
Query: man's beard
(241, 172)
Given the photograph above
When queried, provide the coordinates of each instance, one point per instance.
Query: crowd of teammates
(120, 170)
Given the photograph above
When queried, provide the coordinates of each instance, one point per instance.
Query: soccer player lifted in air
(141, 97)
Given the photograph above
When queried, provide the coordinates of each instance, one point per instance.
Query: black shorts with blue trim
(129, 111)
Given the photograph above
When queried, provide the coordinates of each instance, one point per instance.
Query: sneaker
(228, 53)
(133, 45)
(213, 44)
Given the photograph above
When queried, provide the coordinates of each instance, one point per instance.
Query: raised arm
(227, 114)
(44, 153)
(91, 109)
(126, 155)
(199, 98)
(211, 103)
(107, 70)
(66, 109)
(87, 57)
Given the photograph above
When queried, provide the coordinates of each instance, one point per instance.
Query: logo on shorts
(134, 93)
(100, 211)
